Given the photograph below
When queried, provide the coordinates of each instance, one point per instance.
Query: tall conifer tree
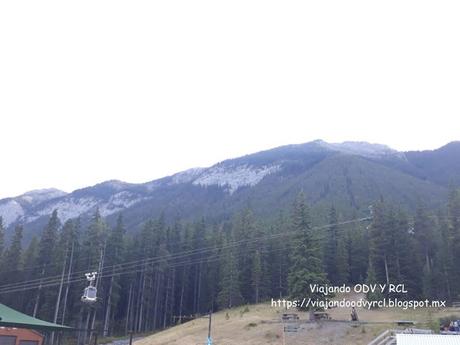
(306, 264)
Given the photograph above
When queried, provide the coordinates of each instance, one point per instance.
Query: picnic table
(289, 317)
(321, 315)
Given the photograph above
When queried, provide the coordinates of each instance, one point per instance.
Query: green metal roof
(12, 318)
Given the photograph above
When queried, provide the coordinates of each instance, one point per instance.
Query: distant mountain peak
(114, 184)
(362, 148)
(12, 209)
(42, 194)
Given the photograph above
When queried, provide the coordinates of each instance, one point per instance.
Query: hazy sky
(136, 90)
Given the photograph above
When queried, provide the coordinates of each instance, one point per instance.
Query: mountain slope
(440, 166)
(12, 209)
(351, 175)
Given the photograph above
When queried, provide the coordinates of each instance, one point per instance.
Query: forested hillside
(152, 278)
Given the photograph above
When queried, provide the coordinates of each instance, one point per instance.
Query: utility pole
(68, 284)
(58, 299)
(209, 328)
(37, 299)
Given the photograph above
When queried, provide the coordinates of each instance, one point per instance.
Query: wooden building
(20, 336)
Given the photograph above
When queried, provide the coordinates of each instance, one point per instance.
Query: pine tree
(13, 264)
(13, 254)
(358, 253)
(185, 278)
(423, 230)
(407, 263)
(279, 260)
(48, 243)
(229, 294)
(445, 268)
(306, 267)
(257, 276)
(145, 249)
(30, 262)
(244, 229)
(371, 280)
(342, 261)
(199, 241)
(211, 284)
(94, 241)
(381, 243)
(114, 254)
(30, 255)
(68, 252)
(330, 250)
(46, 261)
(392, 251)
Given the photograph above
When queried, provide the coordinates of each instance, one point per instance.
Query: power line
(126, 266)
(130, 271)
(129, 265)
(54, 280)
(135, 263)
(81, 259)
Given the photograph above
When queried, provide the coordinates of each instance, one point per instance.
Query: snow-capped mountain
(12, 209)
(233, 177)
(40, 195)
(351, 174)
(362, 148)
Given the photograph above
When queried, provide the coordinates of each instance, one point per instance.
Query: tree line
(169, 272)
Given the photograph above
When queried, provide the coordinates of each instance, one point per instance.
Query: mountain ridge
(350, 173)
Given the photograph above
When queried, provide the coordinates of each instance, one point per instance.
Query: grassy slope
(257, 327)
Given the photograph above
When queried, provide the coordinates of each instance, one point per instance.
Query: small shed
(427, 339)
(20, 336)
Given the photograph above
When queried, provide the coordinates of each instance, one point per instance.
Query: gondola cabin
(89, 295)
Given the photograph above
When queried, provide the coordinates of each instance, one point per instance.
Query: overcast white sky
(136, 90)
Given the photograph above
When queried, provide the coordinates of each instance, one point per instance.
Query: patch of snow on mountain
(187, 175)
(68, 208)
(362, 148)
(39, 195)
(119, 201)
(73, 207)
(234, 177)
(10, 211)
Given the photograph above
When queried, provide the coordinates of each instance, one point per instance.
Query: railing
(388, 337)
